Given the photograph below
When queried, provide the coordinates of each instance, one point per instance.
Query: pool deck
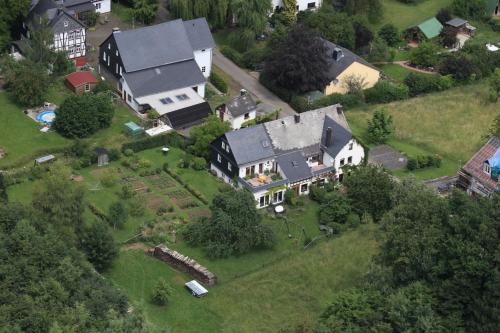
(33, 113)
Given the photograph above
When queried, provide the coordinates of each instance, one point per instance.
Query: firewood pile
(184, 264)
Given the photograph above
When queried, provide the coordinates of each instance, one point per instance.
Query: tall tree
(235, 226)
(251, 14)
(27, 82)
(203, 135)
(59, 203)
(333, 26)
(99, 246)
(299, 63)
(145, 10)
(369, 188)
(10, 18)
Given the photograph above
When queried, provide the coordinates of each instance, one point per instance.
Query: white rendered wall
(301, 3)
(204, 59)
(105, 6)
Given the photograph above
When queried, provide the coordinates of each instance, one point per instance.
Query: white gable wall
(102, 6)
(357, 153)
(72, 42)
(204, 60)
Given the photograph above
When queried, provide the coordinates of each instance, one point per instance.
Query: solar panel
(182, 97)
(166, 100)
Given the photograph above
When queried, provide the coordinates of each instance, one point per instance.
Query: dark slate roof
(84, 6)
(241, 105)
(199, 34)
(250, 144)
(153, 46)
(348, 58)
(294, 166)
(55, 16)
(164, 78)
(69, 3)
(456, 22)
(189, 116)
(341, 137)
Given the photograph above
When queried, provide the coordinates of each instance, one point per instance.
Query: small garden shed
(133, 129)
(102, 156)
(81, 82)
(427, 29)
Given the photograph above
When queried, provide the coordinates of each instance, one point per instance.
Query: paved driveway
(251, 84)
(387, 157)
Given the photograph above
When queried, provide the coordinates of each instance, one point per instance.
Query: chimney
(297, 118)
(328, 137)
(337, 54)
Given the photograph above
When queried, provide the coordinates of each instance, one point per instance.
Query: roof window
(166, 100)
(182, 97)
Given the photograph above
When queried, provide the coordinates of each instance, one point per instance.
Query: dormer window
(487, 168)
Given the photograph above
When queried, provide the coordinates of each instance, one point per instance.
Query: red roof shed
(81, 81)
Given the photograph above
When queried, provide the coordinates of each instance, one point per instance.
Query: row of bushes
(218, 82)
(251, 59)
(98, 212)
(171, 139)
(424, 161)
(197, 194)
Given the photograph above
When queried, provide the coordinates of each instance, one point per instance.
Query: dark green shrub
(218, 82)
(254, 58)
(299, 103)
(232, 55)
(424, 83)
(385, 92)
(317, 194)
(198, 163)
(114, 154)
(290, 197)
(412, 164)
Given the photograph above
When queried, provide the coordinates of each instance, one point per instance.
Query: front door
(261, 168)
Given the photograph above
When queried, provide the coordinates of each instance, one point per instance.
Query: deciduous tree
(380, 127)
(203, 135)
(299, 62)
(99, 246)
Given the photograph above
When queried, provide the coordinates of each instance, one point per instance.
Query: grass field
(403, 15)
(284, 290)
(452, 124)
(395, 72)
(282, 286)
(20, 136)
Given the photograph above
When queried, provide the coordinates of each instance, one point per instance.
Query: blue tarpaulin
(494, 163)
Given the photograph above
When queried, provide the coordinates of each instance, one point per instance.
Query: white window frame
(229, 166)
(219, 159)
(104, 55)
(87, 87)
(223, 145)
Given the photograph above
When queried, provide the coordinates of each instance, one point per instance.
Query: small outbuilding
(427, 29)
(196, 288)
(239, 110)
(133, 129)
(102, 156)
(81, 82)
(44, 159)
(461, 26)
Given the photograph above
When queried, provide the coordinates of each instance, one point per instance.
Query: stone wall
(184, 264)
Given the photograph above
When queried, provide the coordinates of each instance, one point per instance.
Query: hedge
(385, 92)
(425, 83)
(172, 139)
(233, 55)
(218, 82)
(424, 161)
(346, 101)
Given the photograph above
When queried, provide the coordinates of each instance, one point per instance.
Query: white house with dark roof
(294, 152)
(69, 33)
(301, 4)
(164, 66)
(238, 110)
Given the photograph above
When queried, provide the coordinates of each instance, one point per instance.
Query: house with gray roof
(238, 110)
(163, 67)
(345, 65)
(69, 33)
(295, 152)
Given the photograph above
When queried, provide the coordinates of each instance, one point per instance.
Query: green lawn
(279, 289)
(404, 15)
(395, 72)
(20, 135)
(451, 123)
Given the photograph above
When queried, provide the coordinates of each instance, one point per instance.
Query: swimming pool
(47, 116)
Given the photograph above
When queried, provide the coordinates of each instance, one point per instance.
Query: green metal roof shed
(491, 5)
(133, 129)
(430, 28)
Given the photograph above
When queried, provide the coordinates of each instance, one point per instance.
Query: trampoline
(46, 117)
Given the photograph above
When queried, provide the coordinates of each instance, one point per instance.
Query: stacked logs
(184, 264)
